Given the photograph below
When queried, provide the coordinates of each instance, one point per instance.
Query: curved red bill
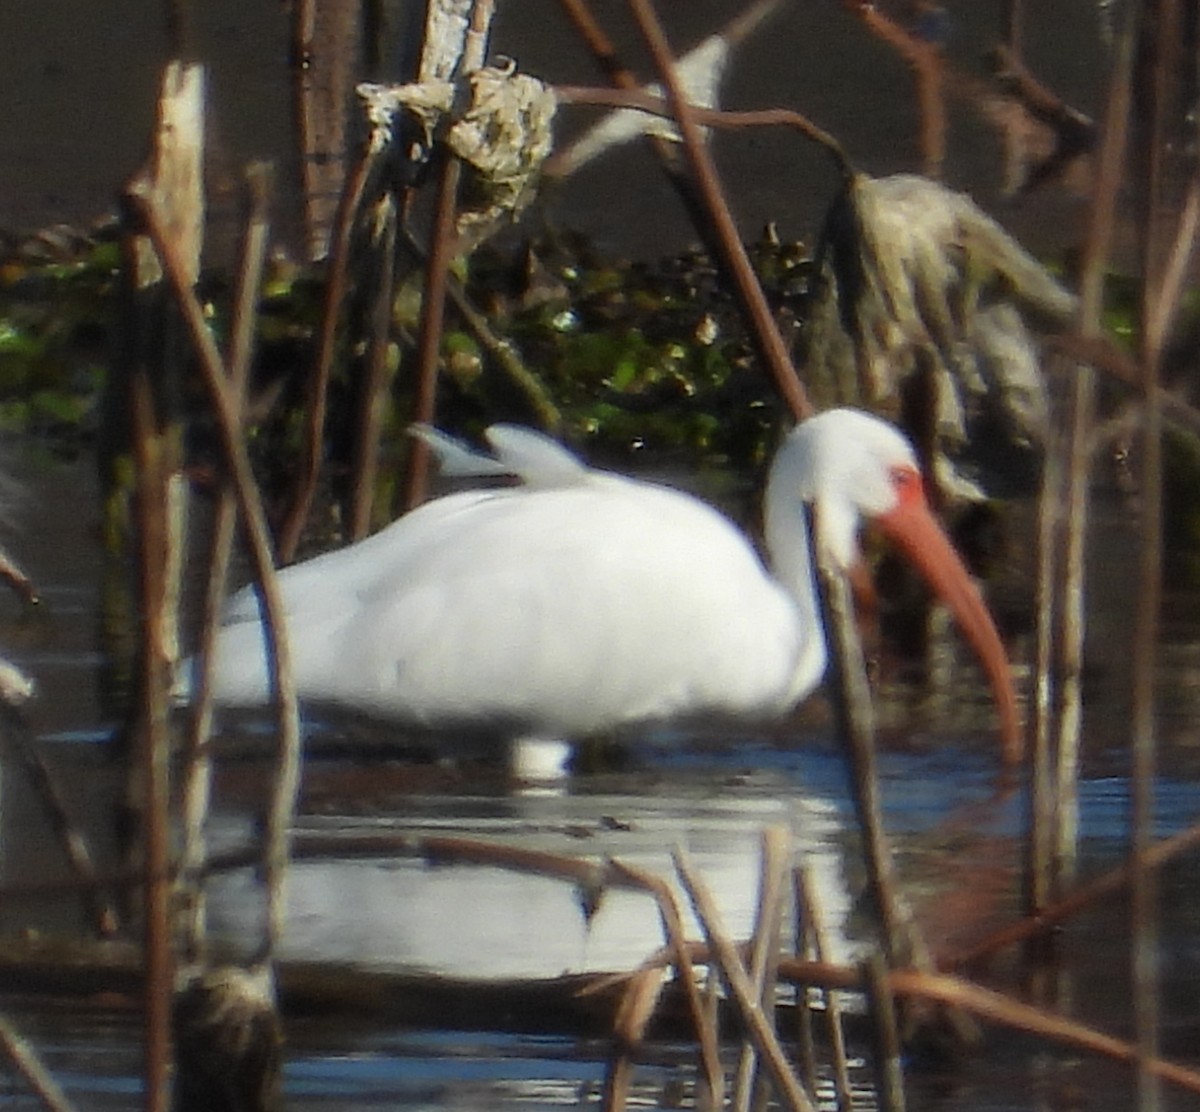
(913, 528)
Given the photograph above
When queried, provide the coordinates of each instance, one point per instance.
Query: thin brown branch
(433, 309)
(764, 332)
(927, 65)
(317, 385)
(154, 542)
(647, 102)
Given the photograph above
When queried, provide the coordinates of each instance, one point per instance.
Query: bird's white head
(849, 465)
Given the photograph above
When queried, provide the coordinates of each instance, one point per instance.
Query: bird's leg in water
(538, 758)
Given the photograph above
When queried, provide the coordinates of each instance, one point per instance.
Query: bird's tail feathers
(534, 458)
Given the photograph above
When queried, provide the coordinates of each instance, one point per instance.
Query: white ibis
(580, 600)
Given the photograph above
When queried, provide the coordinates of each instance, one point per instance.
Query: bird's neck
(785, 525)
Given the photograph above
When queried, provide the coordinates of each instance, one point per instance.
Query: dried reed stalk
(14, 731)
(733, 973)
(1052, 854)
(889, 1074)
(26, 1062)
(364, 465)
(764, 950)
(152, 376)
(815, 931)
(1163, 265)
(197, 773)
(703, 1019)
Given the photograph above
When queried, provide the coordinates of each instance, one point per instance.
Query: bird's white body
(582, 601)
(555, 611)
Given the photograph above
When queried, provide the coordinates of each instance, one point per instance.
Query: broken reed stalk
(149, 370)
(764, 332)
(788, 1088)
(815, 934)
(764, 950)
(29, 1066)
(226, 413)
(197, 774)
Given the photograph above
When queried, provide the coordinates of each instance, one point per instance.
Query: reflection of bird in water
(580, 601)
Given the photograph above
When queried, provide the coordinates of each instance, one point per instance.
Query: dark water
(80, 81)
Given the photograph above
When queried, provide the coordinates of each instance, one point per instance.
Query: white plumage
(579, 600)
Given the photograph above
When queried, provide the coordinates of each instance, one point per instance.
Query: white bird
(580, 600)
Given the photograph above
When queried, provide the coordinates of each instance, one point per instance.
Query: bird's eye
(907, 484)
